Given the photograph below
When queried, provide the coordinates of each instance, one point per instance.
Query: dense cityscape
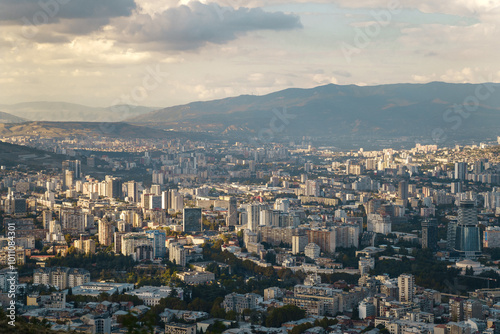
(229, 237)
(249, 167)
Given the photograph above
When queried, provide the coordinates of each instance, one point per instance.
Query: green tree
(231, 315)
(199, 304)
(280, 315)
(469, 271)
(216, 328)
(299, 329)
(217, 311)
(325, 322)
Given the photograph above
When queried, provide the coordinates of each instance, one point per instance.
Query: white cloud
(456, 7)
(189, 27)
(323, 79)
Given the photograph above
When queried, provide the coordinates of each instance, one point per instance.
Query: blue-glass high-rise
(159, 237)
(467, 238)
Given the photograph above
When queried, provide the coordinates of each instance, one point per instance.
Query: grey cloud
(342, 73)
(51, 38)
(81, 26)
(189, 27)
(54, 10)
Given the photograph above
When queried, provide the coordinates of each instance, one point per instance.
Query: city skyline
(217, 228)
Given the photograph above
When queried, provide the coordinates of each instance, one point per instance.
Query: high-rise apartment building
(73, 165)
(132, 192)
(192, 220)
(406, 284)
(403, 190)
(158, 238)
(456, 187)
(68, 179)
(177, 254)
(325, 239)
(467, 240)
(155, 202)
(106, 231)
(312, 188)
(312, 251)
(113, 187)
(145, 200)
(156, 189)
(174, 200)
(429, 234)
(232, 212)
(253, 216)
(47, 218)
(460, 170)
(61, 277)
(165, 200)
(299, 243)
(85, 246)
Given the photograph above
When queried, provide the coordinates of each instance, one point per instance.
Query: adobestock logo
(364, 36)
(455, 116)
(49, 9)
(277, 124)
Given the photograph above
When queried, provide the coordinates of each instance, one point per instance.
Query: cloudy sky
(168, 52)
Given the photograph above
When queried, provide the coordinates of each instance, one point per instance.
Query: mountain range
(13, 155)
(8, 118)
(432, 113)
(86, 130)
(344, 115)
(71, 112)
